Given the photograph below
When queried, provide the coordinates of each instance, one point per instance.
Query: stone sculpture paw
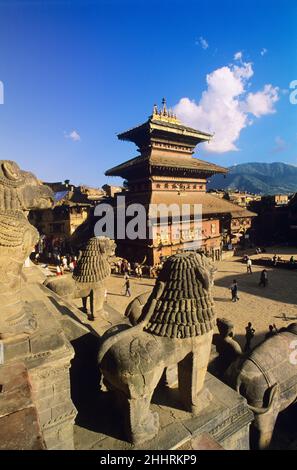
(147, 430)
(202, 401)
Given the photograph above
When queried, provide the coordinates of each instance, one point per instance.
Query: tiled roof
(211, 205)
(71, 198)
(190, 163)
(187, 162)
(156, 123)
(180, 126)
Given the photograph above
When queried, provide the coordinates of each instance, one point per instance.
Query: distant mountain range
(259, 178)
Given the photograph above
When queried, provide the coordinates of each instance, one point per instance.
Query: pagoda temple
(166, 172)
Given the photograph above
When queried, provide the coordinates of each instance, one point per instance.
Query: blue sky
(75, 73)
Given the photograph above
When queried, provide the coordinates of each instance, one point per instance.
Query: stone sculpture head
(225, 327)
(93, 264)
(184, 308)
(20, 191)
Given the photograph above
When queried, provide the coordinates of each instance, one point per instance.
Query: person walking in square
(127, 286)
(263, 278)
(249, 266)
(249, 335)
(234, 291)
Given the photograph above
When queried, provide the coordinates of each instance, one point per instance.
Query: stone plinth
(226, 420)
(47, 356)
(19, 423)
(203, 441)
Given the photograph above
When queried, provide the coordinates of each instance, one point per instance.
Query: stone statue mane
(20, 191)
(87, 281)
(93, 265)
(185, 307)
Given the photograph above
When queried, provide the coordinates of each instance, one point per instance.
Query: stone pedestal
(226, 420)
(19, 424)
(46, 355)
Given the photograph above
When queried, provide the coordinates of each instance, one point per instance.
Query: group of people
(56, 252)
(263, 276)
(65, 263)
(48, 249)
(154, 270)
(250, 330)
(138, 270)
(250, 334)
(234, 286)
(276, 259)
(124, 267)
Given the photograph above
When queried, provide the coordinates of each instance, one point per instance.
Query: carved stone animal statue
(20, 191)
(267, 378)
(175, 327)
(88, 277)
(227, 348)
(134, 309)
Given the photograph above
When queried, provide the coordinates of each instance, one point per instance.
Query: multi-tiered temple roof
(164, 144)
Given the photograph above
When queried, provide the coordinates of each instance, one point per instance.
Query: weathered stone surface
(227, 348)
(226, 419)
(15, 347)
(175, 327)
(47, 362)
(267, 378)
(20, 191)
(87, 280)
(21, 431)
(56, 409)
(60, 435)
(203, 441)
(19, 424)
(44, 350)
(15, 388)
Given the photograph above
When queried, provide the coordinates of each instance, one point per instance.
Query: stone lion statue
(88, 277)
(267, 378)
(175, 327)
(20, 191)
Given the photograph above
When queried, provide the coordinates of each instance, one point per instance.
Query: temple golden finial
(164, 114)
(164, 108)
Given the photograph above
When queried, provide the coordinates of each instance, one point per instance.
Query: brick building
(166, 172)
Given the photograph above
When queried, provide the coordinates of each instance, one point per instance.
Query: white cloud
(262, 102)
(280, 145)
(203, 43)
(225, 109)
(73, 135)
(263, 51)
(238, 56)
